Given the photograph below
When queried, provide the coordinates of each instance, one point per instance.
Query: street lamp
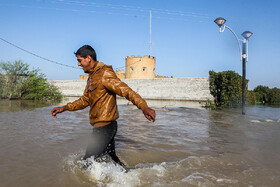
(243, 53)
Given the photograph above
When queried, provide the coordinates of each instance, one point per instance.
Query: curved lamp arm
(236, 39)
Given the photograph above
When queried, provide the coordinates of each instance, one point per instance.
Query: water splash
(265, 121)
(183, 172)
(110, 174)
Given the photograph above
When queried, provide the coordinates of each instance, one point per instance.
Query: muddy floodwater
(185, 147)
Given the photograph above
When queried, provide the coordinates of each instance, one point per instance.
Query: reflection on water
(18, 105)
(184, 147)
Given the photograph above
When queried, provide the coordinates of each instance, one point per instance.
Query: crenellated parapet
(139, 56)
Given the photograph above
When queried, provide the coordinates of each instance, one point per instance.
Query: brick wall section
(185, 89)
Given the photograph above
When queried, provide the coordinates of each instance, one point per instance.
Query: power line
(78, 10)
(112, 6)
(58, 63)
(130, 64)
(125, 7)
(113, 13)
(117, 13)
(52, 61)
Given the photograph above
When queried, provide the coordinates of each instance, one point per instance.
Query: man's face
(85, 63)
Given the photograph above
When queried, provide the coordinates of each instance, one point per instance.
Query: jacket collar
(96, 67)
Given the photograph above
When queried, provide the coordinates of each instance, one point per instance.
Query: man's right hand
(150, 114)
(57, 110)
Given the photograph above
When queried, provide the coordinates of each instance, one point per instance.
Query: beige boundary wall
(178, 89)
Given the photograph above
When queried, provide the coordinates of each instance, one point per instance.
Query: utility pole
(150, 46)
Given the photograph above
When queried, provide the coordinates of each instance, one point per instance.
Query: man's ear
(89, 59)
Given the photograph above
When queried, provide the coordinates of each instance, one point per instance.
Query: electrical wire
(112, 6)
(52, 61)
(138, 8)
(111, 13)
(130, 64)
(78, 10)
(141, 9)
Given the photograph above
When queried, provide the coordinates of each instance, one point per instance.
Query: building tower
(140, 67)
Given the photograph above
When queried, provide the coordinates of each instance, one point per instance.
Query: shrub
(261, 94)
(226, 88)
(274, 96)
(18, 82)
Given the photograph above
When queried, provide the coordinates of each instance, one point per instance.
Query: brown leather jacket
(100, 94)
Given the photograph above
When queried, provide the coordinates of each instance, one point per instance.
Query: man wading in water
(100, 94)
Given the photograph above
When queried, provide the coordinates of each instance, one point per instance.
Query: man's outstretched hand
(150, 114)
(57, 110)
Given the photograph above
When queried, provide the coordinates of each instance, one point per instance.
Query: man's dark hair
(86, 50)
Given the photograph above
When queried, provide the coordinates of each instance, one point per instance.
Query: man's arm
(114, 84)
(79, 104)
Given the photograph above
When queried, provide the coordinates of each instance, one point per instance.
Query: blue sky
(185, 40)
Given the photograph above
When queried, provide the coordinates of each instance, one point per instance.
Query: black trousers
(102, 143)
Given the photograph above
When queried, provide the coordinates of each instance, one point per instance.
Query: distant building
(83, 77)
(140, 67)
(136, 68)
(120, 74)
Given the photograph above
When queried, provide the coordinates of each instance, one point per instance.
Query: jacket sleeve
(79, 104)
(111, 82)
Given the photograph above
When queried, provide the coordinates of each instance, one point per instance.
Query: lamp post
(243, 53)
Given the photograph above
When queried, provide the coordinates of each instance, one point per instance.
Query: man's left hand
(150, 114)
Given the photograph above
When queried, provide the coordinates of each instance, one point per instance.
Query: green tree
(2, 83)
(274, 96)
(262, 93)
(18, 82)
(250, 97)
(12, 73)
(226, 88)
(265, 95)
